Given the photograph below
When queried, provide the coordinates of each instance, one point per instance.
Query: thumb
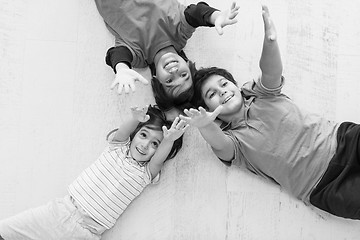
(217, 111)
(142, 79)
(219, 29)
(113, 84)
(147, 117)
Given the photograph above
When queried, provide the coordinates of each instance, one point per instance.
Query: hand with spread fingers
(177, 129)
(139, 113)
(225, 18)
(200, 117)
(125, 79)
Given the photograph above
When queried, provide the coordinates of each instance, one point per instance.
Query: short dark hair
(199, 79)
(156, 122)
(166, 102)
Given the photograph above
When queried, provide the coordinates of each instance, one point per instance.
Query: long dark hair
(156, 121)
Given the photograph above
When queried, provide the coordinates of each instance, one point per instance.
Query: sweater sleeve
(118, 54)
(199, 14)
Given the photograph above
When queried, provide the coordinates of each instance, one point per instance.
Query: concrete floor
(56, 108)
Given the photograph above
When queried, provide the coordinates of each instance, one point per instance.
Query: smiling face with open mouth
(174, 74)
(217, 91)
(145, 143)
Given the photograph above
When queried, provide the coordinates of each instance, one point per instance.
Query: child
(154, 32)
(315, 160)
(102, 192)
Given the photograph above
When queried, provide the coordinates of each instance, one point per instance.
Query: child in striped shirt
(133, 159)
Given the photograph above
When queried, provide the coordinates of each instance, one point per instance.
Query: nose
(146, 144)
(222, 92)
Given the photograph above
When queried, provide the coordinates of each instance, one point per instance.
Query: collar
(239, 122)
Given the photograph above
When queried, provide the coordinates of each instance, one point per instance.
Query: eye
(155, 144)
(143, 135)
(184, 74)
(168, 81)
(211, 95)
(224, 83)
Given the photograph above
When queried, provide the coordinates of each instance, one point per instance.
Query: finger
(181, 124)
(142, 79)
(165, 130)
(202, 110)
(265, 8)
(194, 111)
(175, 122)
(186, 119)
(265, 14)
(146, 118)
(217, 111)
(235, 9)
(186, 127)
(188, 113)
(126, 88)
(132, 86)
(233, 15)
(113, 84)
(219, 29)
(232, 21)
(120, 88)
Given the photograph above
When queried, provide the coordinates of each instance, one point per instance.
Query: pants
(57, 220)
(338, 191)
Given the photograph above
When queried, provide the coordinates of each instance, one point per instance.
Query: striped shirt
(109, 185)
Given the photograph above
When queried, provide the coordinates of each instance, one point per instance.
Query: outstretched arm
(270, 62)
(127, 127)
(176, 130)
(221, 144)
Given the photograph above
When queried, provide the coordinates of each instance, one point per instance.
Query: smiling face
(174, 74)
(145, 143)
(216, 91)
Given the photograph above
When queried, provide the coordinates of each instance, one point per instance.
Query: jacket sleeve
(199, 14)
(118, 54)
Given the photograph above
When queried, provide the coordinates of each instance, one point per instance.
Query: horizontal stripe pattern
(109, 185)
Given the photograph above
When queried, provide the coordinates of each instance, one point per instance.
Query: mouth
(140, 151)
(171, 66)
(228, 99)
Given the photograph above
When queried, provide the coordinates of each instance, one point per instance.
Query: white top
(108, 186)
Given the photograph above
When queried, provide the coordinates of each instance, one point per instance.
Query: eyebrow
(206, 93)
(172, 89)
(147, 131)
(157, 140)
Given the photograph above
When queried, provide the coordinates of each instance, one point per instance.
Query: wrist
(213, 17)
(208, 126)
(121, 65)
(167, 142)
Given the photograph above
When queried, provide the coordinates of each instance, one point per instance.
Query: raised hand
(176, 130)
(270, 31)
(226, 17)
(125, 79)
(139, 113)
(200, 118)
